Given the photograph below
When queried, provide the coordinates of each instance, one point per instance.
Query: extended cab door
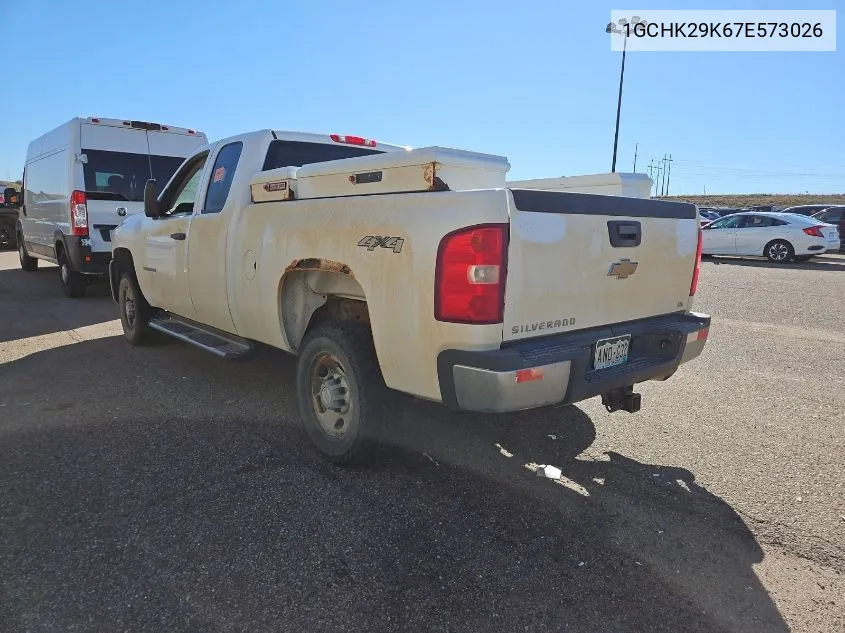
(163, 276)
(207, 253)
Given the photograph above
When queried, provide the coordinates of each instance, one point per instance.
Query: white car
(780, 237)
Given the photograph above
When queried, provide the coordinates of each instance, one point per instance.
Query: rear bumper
(487, 380)
(83, 259)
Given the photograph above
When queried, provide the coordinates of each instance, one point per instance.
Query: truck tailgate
(579, 261)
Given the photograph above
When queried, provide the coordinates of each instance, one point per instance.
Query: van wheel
(73, 282)
(27, 263)
(342, 396)
(135, 312)
(7, 233)
(779, 251)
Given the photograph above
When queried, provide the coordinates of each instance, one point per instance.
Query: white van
(83, 179)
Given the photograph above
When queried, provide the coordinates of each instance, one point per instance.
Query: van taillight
(469, 280)
(694, 285)
(78, 214)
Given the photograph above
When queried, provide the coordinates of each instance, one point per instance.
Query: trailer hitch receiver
(623, 399)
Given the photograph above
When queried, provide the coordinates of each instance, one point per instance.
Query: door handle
(177, 236)
(624, 233)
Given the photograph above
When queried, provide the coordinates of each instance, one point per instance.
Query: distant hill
(760, 199)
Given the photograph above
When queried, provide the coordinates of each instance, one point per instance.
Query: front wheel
(134, 310)
(28, 263)
(779, 251)
(342, 396)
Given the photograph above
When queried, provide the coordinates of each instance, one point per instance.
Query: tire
(338, 359)
(28, 263)
(779, 251)
(8, 239)
(73, 282)
(135, 312)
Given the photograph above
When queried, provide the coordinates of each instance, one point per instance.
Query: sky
(535, 81)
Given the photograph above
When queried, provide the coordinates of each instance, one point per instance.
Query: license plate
(611, 352)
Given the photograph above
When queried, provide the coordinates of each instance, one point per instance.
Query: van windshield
(122, 176)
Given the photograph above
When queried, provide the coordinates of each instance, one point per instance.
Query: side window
(834, 215)
(755, 222)
(776, 222)
(727, 223)
(179, 197)
(221, 177)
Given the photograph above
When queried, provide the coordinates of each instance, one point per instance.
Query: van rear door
(120, 160)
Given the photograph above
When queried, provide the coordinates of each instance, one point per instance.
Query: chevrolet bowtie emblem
(622, 269)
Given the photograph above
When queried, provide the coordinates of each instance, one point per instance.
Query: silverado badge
(622, 269)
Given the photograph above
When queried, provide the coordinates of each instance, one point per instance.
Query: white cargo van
(82, 180)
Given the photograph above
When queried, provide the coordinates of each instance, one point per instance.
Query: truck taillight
(352, 140)
(78, 214)
(694, 285)
(469, 280)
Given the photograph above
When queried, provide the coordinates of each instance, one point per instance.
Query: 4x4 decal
(372, 242)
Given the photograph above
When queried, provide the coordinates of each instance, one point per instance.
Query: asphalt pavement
(163, 489)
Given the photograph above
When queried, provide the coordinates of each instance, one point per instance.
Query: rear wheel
(342, 396)
(7, 233)
(27, 263)
(135, 312)
(779, 251)
(73, 282)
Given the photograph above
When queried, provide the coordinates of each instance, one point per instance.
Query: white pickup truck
(384, 268)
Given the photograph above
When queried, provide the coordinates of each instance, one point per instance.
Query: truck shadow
(32, 304)
(180, 494)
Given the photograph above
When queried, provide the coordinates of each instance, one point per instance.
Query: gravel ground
(162, 489)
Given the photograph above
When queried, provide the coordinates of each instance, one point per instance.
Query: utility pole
(658, 169)
(705, 190)
(619, 100)
(636, 147)
(663, 183)
(668, 173)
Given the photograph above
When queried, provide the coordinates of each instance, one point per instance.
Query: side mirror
(151, 199)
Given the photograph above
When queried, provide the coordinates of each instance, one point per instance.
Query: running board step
(222, 344)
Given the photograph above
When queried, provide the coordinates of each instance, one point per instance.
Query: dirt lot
(162, 489)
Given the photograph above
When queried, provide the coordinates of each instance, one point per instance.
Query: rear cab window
(298, 153)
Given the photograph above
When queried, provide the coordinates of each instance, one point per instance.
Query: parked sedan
(836, 216)
(779, 237)
(708, 216)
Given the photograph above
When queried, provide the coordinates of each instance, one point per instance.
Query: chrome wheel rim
(21, 252)
(331, 397)
(778, 251)
(65, 274)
